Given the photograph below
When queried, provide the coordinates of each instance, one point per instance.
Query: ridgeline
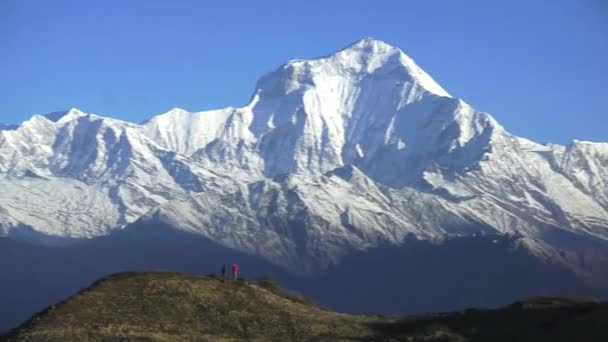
(164, 306)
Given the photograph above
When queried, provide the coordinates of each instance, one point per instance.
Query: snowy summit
(332, 155)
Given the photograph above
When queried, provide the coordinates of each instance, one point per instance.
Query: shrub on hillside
(267, 282)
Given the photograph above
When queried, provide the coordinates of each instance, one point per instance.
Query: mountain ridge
(415, 160)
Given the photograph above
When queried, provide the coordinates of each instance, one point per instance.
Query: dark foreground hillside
(162, 306)
(485, 271)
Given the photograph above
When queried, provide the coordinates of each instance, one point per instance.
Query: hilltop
(163, 306)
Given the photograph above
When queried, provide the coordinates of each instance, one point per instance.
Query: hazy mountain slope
(7, 127)
(308, 225)
(416, 277)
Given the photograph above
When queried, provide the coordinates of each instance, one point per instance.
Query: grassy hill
(163, 306)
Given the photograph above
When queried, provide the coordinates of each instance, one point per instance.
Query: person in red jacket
(235, 271)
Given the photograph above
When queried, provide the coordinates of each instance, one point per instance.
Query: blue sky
(539, 66)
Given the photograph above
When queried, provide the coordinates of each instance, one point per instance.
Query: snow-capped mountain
(332, 155)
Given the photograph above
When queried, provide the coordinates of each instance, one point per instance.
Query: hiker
(235, 271)
(224, 271)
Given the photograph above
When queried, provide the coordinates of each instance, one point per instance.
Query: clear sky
(539, 66)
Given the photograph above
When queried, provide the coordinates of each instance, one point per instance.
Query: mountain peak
(70, 113)
(371, 44)
(169, 115)
(365, 57)
(176, 111)
(375, 53)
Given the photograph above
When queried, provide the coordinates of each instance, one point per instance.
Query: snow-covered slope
(332, 155)
(78, 175)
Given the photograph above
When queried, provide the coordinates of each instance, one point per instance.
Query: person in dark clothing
(235, 271)
(224, 271)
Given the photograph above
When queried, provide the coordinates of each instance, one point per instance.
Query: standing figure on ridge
(235, 271)
(224, 269)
